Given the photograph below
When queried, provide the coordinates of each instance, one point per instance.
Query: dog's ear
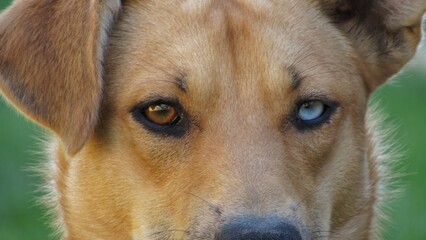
(385, 33)
(50, 62)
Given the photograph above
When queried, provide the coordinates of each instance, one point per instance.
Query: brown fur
(238, 68)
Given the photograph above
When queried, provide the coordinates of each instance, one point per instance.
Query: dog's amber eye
(162, 117)
(162, 114)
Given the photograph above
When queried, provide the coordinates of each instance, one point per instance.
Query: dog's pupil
(308, 105)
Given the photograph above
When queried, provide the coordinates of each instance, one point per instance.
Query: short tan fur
(237, 72)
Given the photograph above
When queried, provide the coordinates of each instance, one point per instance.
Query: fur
(237, 72)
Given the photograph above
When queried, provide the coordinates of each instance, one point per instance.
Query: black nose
(250, 228)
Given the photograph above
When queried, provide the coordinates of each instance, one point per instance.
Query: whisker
(213, 206)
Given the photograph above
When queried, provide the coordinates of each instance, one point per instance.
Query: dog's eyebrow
(178, 77)
(296, 77)
(180, 81)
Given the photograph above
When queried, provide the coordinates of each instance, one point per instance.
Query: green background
(403, 101)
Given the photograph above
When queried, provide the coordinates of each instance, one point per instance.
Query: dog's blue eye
(310, 114)
(311, 110)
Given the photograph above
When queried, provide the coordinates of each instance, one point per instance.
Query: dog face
(208, 119)
(239, 147)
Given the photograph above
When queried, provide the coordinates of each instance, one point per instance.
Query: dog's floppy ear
(385, 33)
(50, 62)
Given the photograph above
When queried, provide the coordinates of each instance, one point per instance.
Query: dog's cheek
(344, 175)
(311, 150)
(147, 196)
(98, 190)
(328, 160)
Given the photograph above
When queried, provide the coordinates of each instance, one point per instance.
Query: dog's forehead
(257, 5)
(217, 42)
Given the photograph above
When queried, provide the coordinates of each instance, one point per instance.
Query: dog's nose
(251, 228)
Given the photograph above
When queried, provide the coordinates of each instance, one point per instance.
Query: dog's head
(208, 119)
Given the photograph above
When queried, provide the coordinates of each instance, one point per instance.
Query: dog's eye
(313, 113)
(311, 110)
(162, 114)
(162, 117)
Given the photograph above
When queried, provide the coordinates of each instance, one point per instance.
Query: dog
(215, 119)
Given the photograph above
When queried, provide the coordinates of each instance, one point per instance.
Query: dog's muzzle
(248, 228)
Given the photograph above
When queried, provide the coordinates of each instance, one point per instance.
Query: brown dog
(215, 119)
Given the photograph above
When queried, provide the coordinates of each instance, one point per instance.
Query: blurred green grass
(403, 101)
